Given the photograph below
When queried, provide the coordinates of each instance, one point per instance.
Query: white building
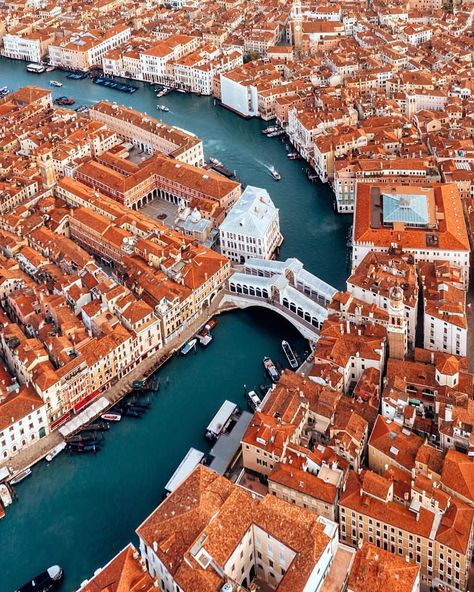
(251, 228)
(444, 308)
(239, 95)
(23, 420)
(29, 47)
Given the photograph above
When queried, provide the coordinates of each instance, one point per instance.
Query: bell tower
(397, 325)
(297, 24)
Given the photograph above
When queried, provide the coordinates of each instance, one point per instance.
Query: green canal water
(80, 511)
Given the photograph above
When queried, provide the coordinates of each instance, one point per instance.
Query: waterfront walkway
(37, 451)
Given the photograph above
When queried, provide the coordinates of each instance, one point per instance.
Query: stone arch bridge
(284, 287)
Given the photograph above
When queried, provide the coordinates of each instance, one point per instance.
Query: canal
(79, 511)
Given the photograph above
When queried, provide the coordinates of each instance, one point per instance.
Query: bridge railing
(275, 304)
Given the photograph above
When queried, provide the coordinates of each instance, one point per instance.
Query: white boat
(111, 416)
(4, 90)
(55, 451)
(20, 476)
(180, 90)
(36, 68)
(55, 83)
(215, 161)
(254, 401)
(188, 346)
(163, 108)
(271, 369)
(5, 495)
(275, 174)
(269, 130)
(50, 68)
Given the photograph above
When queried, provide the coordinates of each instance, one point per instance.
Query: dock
(185, 468)
(227, 446)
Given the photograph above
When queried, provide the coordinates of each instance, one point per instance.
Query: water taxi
(188, 346)
(290, 356)
(269, 130)
(253, 400)
(55, 83)
(162, 108)
(36, 68)
(55, 451)
(271, 369)
(20, 476)
(111, 416)
(275, 174)
(47, 581)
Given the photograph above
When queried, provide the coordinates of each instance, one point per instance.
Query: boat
(290, 356)
(278, 132)
(76, 75)
(271, 369)
(98, 426)
(4, 91)
(269, 130)
(221, 420)
(36, 68)
(82, 438)
(5, 495)
(84, 447)
(188, 346)
(20, 476)
(111, 416)
(217, 166)
(275, 174)
(180, 90)
(55, 451)
(163, 108)
(204, 340)
(55, 83)
(47, 581)
(65, 101)
(293, 155)
(253, 400)
(50, 68)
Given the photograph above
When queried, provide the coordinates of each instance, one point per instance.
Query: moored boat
(271, 369)
(111, 416)
(293, 155)
(253, 400)
(36, 68)
(290, 356)
(20, 476)
(55, 451)
(55, 83)
(47, 581)
(269, 130)
(188, 346)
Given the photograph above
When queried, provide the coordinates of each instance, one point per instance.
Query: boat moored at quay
(47, 581)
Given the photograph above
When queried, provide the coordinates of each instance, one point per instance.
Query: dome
(195, 216)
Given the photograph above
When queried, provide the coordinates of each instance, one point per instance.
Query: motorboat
(269, 130)
(253, 400)
(55, 83)
(163, 108)
(215, 161)
(290, 356)
(55, 451)
(271, 369)
(111, 416)
(293, 155)
(20, 476)
(188, 346)
(275, 174)
(46, 581)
